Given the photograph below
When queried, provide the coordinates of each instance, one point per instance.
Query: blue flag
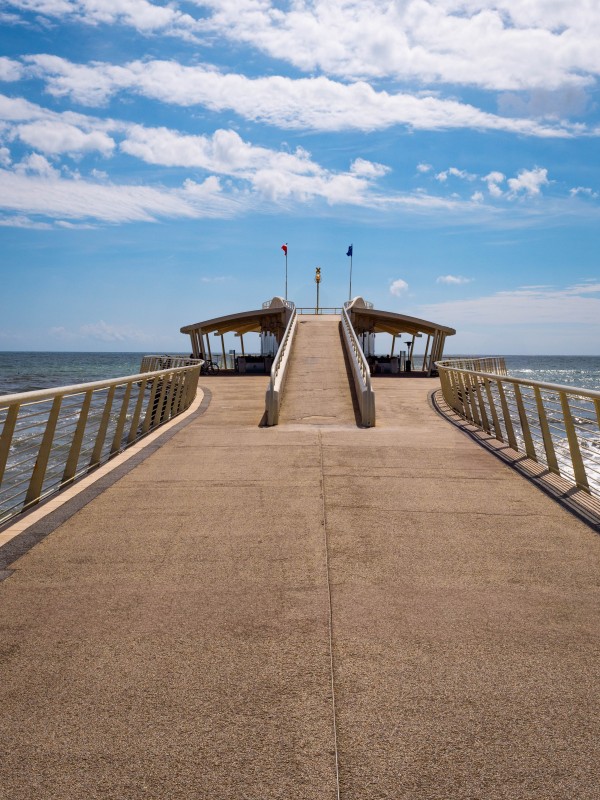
(349, 253)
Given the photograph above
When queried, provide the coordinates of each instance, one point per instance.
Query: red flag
(284, 248)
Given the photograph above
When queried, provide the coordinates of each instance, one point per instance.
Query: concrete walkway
(172, 639)
(318, 391)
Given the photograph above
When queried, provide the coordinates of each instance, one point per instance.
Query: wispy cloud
(100, 331)
(453, 280)
(576, 304)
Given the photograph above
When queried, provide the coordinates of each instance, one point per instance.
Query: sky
(154, 157)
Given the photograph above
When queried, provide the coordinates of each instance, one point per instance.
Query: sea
(30, 371)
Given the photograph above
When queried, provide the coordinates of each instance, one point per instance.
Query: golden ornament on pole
(318, 281)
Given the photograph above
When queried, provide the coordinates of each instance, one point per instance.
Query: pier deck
(172, 638)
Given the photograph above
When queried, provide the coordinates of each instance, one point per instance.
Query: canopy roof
(371, 320)
(269, 318)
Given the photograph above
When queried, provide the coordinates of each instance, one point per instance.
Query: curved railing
(360, 372)
(279, 371)
(557, 426)
(50, 438)
(156, 362)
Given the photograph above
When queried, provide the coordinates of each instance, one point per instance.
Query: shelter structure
(367, 321)
(270, 322)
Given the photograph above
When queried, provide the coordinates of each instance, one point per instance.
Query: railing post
(578, 465)
(150, 406)
(510, 431)
(525, 430)
(484, 417)
(138, 412)
(39, 471)
(7, 435)
(75, 449)
(546, 435)
(116, 442)
(101, 436)
(494, 413)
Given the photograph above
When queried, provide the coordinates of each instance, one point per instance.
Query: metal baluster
(466, 413)
(529, 448)
(484, 417)
(578, 466)
(75, 450)
(510, 431)
(7, 435)
(472, 403)
(546, 435)
(150, 407)
(158, 412)
(169, 404)
(494, 413)
(116, 442)
(101, 436)
(39, 471)
(137, 413)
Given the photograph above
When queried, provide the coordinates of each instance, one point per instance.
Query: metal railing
(279, 372)
(286, 303)
(319, 310)
(50, 438)
(156, 362)
(360, 372)
(557, 426)
(495, 364)
(367, 303)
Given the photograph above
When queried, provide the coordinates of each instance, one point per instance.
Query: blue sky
(155, 157)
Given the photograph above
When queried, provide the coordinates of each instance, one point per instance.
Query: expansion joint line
(330, 621)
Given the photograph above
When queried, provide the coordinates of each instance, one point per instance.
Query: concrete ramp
(318, 390)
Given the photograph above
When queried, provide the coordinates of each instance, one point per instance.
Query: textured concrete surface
(318, 390)
(171, 640)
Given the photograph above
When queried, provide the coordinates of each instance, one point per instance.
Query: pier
(309, 611)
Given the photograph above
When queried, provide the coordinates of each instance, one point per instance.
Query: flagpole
(350, 253)
(350, 294)
(286, 270)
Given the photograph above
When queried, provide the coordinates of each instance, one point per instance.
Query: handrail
(51, 437)
(319, 310)
(360, 371)
(279, 371)
(555, 425)
(166, 361)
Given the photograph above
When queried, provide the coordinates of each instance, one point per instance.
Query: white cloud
(493, 180)
(505, 45)
(276, 175)
(50, 195)
(585, 190)
(455, 280)
(477, 197)
(368, 169)
(424, 168)
(576, 304)
(398, 287)
(528, 182)
(20, 221)
(104, 332)
(495, 44)
(455, 173)
(305, 103)
(100, 331)
(10, 70)
(144, 16)
(55, 136)
(35, 164)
